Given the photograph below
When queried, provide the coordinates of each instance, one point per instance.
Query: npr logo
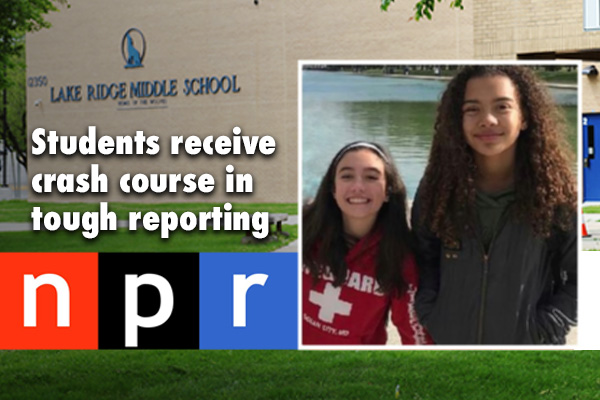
(147, 301)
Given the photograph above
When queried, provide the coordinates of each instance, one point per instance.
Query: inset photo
(440, 203)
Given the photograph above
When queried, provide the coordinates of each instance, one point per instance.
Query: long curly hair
(324, 244)
(545, 188)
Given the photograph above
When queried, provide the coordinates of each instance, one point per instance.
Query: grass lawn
(139, 241)
(563, 77)
(569, 77)
(340, 375)
(591, 210)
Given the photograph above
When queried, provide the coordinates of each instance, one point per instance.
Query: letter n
(31, 285)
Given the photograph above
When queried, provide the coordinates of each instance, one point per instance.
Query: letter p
(132, 319)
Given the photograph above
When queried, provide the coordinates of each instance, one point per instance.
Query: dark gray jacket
(524, 291)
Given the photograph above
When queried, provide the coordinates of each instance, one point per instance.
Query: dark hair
(325, 248)
(545, 193)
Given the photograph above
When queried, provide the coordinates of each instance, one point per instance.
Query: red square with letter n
(48, 300)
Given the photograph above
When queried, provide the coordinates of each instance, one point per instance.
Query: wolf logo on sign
(133, 55)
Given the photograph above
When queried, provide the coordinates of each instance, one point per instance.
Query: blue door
(591, 157)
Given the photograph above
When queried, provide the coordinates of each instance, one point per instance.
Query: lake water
(339, 107)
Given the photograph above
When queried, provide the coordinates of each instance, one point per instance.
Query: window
(591, 14)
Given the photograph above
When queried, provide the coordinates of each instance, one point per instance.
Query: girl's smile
(355, 200)
(488, 136)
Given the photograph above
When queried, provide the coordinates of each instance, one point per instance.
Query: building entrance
(591, 158)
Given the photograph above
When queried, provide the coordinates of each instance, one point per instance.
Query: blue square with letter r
(248, 300)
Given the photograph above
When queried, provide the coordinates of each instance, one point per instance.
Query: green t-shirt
(490, 209)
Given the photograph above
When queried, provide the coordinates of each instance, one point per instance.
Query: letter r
(241, 284)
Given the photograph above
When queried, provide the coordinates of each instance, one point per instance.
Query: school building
(202, 68)
(550, 31)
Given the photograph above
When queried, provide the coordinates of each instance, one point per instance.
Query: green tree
(17, 17)
(424, 8)
(14, 109)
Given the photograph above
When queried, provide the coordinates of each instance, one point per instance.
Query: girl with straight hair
(357, 256)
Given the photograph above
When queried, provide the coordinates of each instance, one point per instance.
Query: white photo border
(586, 314)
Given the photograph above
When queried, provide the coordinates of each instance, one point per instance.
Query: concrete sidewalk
(291, 247)
(27, 226)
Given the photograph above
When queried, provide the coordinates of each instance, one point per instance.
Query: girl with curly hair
(357, 257)
(495, 215)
